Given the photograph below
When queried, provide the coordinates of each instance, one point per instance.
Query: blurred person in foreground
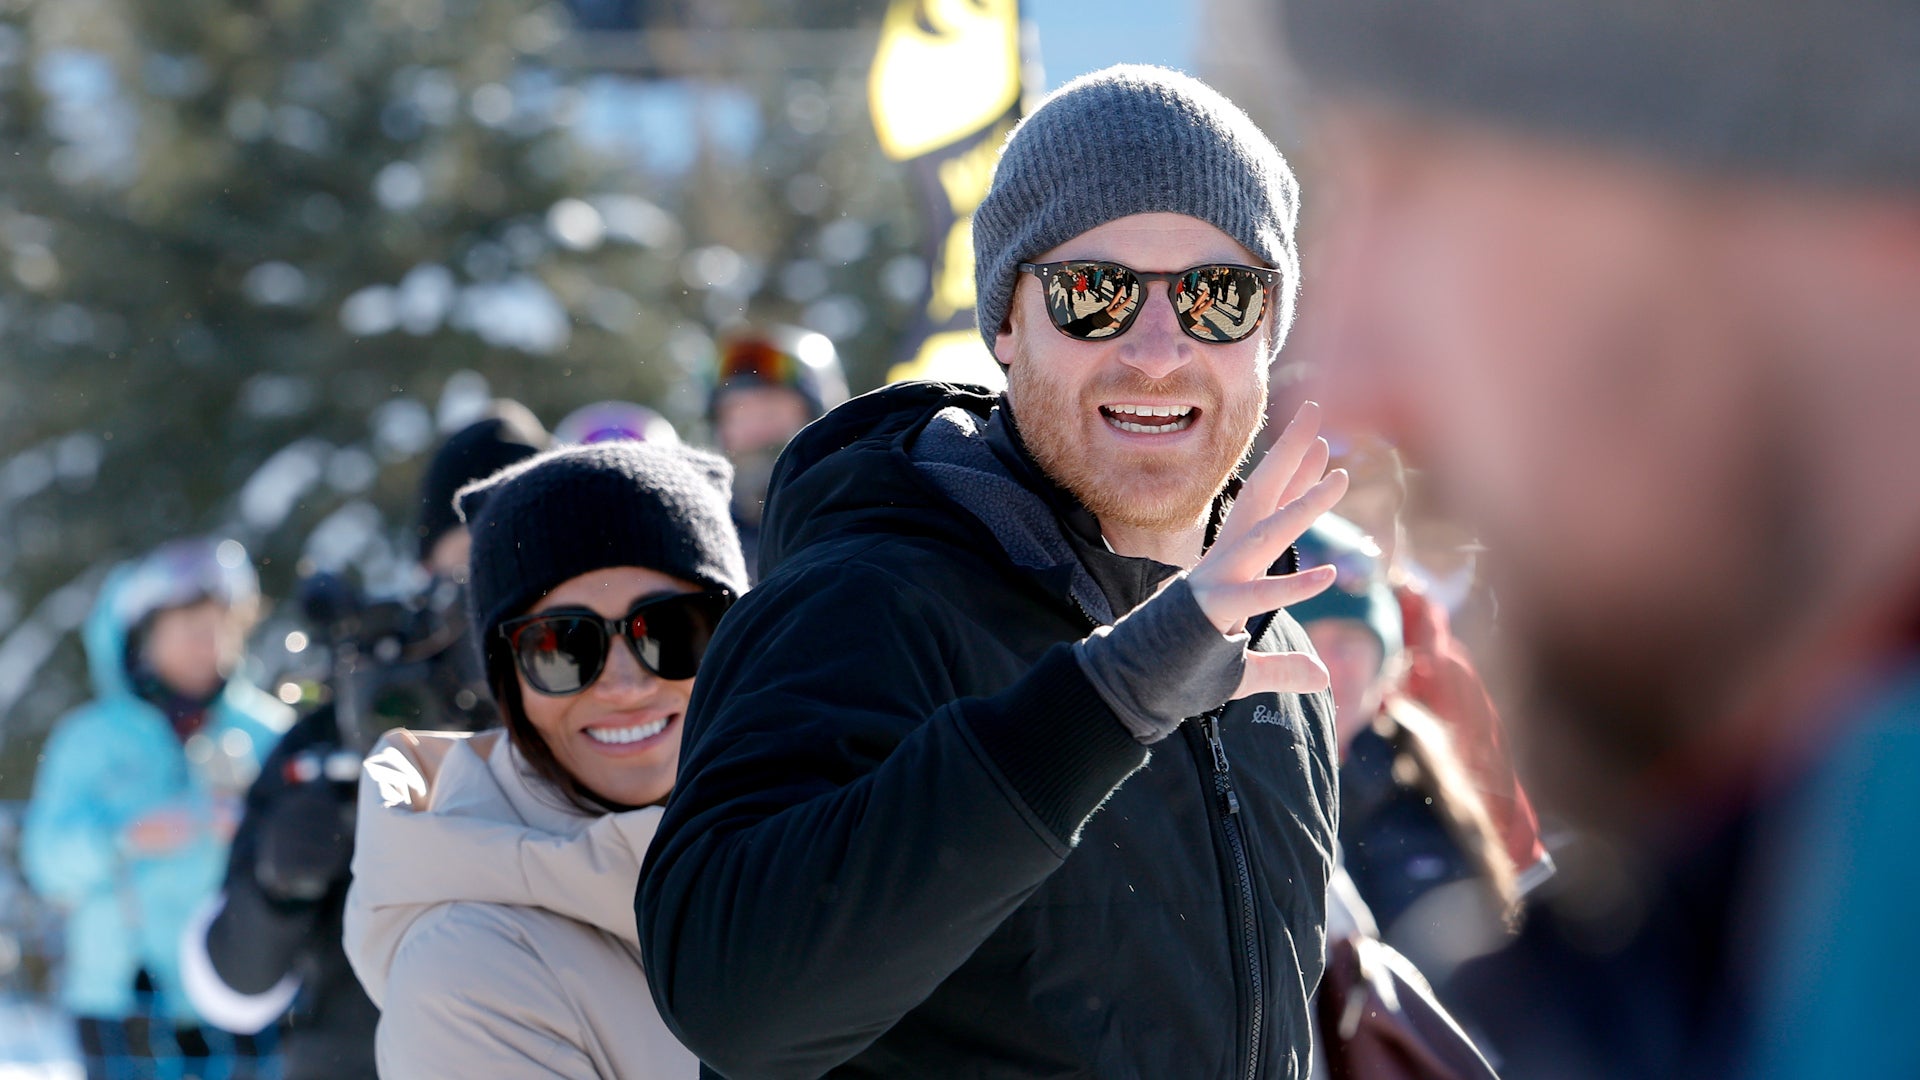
(1638, 281)
(270, 940)
(772, 382)
(136, 799)
(888, 853)
(491, 914)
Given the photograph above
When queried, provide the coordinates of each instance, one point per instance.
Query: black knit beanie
(624, 503)
(509, 433)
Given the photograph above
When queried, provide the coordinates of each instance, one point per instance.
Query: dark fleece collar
(983, 465)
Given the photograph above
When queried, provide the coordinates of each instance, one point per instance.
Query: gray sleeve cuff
(1162, 662)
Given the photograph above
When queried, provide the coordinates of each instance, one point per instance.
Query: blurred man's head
(1642, 295)
(508, 433)
(772, 381)
(1135, 269)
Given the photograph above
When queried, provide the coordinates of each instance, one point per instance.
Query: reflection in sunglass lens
(1219, 303)
(563, 654)
(1092, 300)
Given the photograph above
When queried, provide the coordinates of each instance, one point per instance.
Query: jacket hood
(105, 636)
(849, 472)
(447, 817)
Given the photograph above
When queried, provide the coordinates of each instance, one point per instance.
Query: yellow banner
(945, 91)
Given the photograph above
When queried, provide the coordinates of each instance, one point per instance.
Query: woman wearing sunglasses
(491, 915)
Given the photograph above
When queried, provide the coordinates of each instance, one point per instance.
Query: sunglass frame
(611, 630)
(1268, 277)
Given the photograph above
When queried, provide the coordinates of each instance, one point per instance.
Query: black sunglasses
(563, 652)
(1213, 302)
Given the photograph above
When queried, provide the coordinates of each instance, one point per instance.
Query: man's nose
(1154, 345)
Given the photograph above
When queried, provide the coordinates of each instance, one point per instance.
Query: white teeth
(1150, 410)
(621, 736)
(1181, 424)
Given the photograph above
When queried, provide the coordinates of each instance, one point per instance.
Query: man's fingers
(1228, 607)
(1312, 469)
(1282, 673)
(1261, 492)
(1250, 554)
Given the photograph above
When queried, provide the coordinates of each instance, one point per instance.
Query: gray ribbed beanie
(1132, 140)
(1825, 92)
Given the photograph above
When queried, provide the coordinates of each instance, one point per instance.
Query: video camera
(398, 662)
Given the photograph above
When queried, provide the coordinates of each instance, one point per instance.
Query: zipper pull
(1213, 742)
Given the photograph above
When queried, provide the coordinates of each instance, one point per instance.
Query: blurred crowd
(1539, 699)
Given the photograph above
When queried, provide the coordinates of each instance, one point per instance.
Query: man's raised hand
(1285, 495)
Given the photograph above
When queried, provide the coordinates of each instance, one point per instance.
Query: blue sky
(1077, 36)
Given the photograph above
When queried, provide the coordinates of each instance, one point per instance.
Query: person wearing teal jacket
(137, 795)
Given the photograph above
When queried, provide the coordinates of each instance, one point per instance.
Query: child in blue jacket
(137, 795)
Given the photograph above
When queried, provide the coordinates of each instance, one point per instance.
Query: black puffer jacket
(883, 857)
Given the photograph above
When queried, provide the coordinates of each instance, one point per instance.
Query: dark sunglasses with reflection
(562, 652)
(1093, 300)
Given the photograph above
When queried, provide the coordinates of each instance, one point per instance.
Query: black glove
(306, 841)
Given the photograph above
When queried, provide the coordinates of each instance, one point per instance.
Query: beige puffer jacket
(494, 925)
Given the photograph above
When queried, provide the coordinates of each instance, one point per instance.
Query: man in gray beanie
(1639, 283)
(915, 836)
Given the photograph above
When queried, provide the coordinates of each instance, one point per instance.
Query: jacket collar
(981, 463)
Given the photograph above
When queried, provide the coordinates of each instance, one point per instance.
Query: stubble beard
(1138, 489)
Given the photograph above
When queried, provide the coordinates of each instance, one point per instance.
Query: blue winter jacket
(107, 764)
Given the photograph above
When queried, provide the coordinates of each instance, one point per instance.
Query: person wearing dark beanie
(505, 863)
(582, 508)
(509, 433)
(1640, 280)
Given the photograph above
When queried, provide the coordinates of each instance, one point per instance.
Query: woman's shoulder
(506, 944)
(498, 938)
(524, 983)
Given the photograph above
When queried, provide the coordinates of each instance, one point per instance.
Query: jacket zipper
(1229, 803)
(1243, 877)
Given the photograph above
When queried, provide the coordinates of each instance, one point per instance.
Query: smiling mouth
(621, 736)
(1149, 419)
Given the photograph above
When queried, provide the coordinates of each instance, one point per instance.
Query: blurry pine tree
(255, 256)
